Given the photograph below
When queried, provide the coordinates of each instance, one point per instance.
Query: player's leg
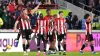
(92, 46)
(28, 38)
(59, 43)
(51, 47)
(24, 46)
(64, 44)
(24, 41)
(17, 39)
(53, 44)
(38, 44)
(84, 45)
(18, 36)
(44, 42)
(92, 43)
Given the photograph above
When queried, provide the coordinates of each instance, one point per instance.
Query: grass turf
(34, 54)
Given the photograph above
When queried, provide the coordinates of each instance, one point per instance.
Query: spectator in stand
(4, 17)
(25, 2)
(48, 1)
(74, 21)
(1, 22)
(1, 9)
(95, 22)
(83, 23)
(9, 19)
(32, 4)
(98, 8)
(91, 5)
(96, 2)
(16, 2)
(18, 12)
(12, 7)
(69, 20)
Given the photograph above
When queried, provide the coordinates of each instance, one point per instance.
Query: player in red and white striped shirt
(61, 29)
(41, 33)
(52, 35)
(89, 36)
(25, 28)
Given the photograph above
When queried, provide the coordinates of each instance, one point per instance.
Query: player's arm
(35, 9)
(15, 26)
(52, 20)
(16, 23)
(36, 28)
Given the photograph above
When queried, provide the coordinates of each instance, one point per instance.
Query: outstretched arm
(35, 9)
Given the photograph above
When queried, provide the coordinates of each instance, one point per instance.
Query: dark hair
(48, 10)
(95, 16)
(55, 15)
(60, 12)
(86, 16)
(70, 13)
(41, 15)
(24, 9)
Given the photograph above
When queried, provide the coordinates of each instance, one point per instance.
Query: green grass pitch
(34, 54)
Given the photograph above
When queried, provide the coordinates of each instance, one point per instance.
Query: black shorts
(41, 37)
(89, 37)
(26, 34)
(51, 37)
(61, 36)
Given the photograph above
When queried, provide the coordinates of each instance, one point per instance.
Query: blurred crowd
(89, 5)
(75, 23)
(11, 9)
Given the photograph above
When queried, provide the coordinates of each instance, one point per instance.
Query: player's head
(41, 16)
(61, 14)
(70, 14)
(88, 17)
(25, 11)
(54, 16)
(48, 12)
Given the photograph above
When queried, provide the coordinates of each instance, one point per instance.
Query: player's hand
(58, 33)
(40, 3)
(15, 29)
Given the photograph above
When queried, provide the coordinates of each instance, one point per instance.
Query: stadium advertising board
(9, 39)
(76, 39)
(74, 42)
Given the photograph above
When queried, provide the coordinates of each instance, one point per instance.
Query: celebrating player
(41, 33)
(25, 27)
(89, 37)
(19, 33)
(52, 37)
(61, 29)
(48, 17)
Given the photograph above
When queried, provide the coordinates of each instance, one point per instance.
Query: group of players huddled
(46, 29)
